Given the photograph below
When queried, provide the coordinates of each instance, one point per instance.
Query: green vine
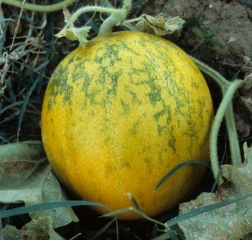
(225, 110)
(39, 8)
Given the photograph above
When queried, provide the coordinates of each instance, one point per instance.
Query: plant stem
(39, 8)
(82, 10)
(114, 19)
(224, 107)
(107, 25)
(219, 79)
(232, 135)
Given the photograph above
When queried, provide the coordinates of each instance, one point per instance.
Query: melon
(120, 114)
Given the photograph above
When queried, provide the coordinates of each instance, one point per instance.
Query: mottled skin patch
(59, 86)
(123, 112)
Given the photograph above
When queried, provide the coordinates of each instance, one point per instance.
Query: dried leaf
(40, 229)
(247, 153)
(242, 127)
(231, 222)
(159, 25)
(243, 106)
(36, 229)
(73, 34)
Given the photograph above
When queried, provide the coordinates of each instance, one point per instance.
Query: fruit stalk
(114, 19)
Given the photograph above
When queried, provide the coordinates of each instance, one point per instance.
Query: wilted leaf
(247, 154)
(246, 91)
(22, 166)
(12, 233)
(159, 25)
(51, 191)
(230, 222)
(26, 176)
(37, 229)
(40, 229)
(73, 33)
(243, 106)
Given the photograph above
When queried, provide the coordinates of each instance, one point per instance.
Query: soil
(229, 21)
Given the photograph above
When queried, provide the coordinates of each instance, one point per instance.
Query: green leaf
(26, 177)
(229, 222)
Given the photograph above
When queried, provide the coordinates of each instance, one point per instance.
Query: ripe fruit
(120, 114)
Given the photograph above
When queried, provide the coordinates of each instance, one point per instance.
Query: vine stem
(232, 135)
(117, 16)
(219, 79)
(225, 110)
(39, 8)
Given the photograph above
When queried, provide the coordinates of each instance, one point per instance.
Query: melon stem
(115, 19)
(225, 110)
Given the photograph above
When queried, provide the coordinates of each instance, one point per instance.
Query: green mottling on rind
(172, 140)
(159, 114)
(135, 99)
(161, 129)
(125, 107)
(134, 129)
(160, 159)
(113, 84)
(107, 57)
(59, 86)
(195, 84)
(166, 111)
(111, 53)
(155, 94)
(148, 162)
